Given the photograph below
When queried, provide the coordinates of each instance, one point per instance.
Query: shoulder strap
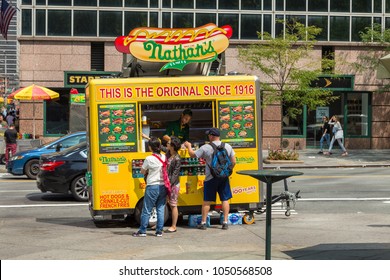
(213, 145)
(163, 162)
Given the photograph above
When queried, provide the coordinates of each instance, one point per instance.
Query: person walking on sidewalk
(325, 133)
(338, 135)
(213, 185)
(10, 137)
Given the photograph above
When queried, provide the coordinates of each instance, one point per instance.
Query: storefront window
(357, 114)
(267, 23)
(153, 18)
(166, 20)
(59, 23)
(57, 114)
(292, 125)
(166, 3)
(250, 24)
(377, 6)
(40, 2)
(80, 28)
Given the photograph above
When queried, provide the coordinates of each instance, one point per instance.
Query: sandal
(344, 154)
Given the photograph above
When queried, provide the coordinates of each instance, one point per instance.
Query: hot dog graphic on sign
(177, 47)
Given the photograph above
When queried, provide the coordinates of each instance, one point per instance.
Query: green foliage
(285, 61)
(280, 154)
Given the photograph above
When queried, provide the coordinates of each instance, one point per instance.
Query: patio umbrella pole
(33, 119)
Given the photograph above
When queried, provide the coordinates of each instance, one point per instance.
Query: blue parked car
(27, 162)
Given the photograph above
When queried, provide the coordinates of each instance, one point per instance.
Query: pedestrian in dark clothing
(325, 129)
(10, 136)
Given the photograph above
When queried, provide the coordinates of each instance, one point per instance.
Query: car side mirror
(58, 147)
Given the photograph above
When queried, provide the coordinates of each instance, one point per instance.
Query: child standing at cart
(155, 193)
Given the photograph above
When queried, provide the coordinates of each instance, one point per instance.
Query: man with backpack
(220, 161)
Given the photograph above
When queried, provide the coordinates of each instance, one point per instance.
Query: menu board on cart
(117, 128)
(236, 121)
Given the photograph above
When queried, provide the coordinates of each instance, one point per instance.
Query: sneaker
(320, 152)
(158, 233)
(225, 226)
(202, 226)
(139, 234)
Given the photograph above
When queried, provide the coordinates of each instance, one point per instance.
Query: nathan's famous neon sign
(177, 47)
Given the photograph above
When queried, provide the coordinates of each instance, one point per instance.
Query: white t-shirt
(154, 167)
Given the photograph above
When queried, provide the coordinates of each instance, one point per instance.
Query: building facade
(57, 36)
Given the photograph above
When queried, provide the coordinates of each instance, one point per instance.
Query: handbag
(167, 183)
(339, 134)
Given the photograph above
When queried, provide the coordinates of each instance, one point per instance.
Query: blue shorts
(211, 187)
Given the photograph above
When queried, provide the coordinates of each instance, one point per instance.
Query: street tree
(289, 70)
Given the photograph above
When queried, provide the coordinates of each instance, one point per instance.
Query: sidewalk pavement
(309, 158)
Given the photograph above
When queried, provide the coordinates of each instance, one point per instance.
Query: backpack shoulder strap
(213, 145)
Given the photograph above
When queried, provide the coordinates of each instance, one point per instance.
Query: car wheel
(32, 168)
(153, 216)
(79, 188)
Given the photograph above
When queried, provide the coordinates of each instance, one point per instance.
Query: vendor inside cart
(179, 128)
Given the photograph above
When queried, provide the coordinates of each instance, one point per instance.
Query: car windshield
(66, 141)
(74, 148)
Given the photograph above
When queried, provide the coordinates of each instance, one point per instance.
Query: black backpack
(221, 165)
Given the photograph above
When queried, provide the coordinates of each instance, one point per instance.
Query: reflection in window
(85, 23)
(202, 19)
(267, 23)
(59, 23)
(321, 22)
(357, 116)
(377, 6)
(153, 18)
(358, 25)
(110, 23)
(250, 24)
(279, 5)
(166, 20)
(166, 3)
(339, 30)
(267, 5)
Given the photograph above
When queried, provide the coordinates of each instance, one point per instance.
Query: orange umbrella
(34, 92)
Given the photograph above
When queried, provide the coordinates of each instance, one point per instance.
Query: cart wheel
(248, 218)
(287, 213)
(153, 216)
